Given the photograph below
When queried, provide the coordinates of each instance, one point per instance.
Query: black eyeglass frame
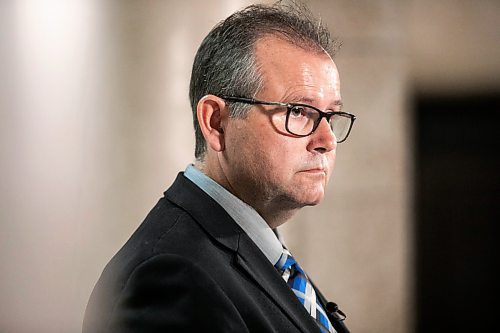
(290, 106)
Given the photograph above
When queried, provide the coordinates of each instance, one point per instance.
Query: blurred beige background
(95, 124)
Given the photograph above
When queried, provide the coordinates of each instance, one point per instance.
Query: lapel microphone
(333, 312)
(336, 317)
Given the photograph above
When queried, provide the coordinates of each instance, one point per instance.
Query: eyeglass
(302, 119)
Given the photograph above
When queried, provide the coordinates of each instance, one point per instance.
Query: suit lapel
(258, 267)
(219, 225)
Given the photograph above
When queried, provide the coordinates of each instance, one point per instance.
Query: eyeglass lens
(303, 120)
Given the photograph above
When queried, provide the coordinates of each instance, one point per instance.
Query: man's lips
(315, 167)
(315, 171)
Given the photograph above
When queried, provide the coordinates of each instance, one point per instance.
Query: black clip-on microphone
(336, 317)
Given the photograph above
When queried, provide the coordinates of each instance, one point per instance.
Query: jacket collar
(205, 210)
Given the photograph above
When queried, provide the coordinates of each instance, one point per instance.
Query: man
(265, 95)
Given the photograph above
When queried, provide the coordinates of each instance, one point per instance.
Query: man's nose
(323, 139)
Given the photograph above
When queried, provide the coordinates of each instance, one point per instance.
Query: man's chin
(312, 199)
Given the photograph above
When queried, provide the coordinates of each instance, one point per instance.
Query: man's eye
(298, 111)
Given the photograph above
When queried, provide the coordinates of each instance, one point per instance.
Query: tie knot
(286, 261)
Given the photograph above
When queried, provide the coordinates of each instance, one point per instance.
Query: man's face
(266, 166)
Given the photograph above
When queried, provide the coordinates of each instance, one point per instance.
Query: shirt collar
(244, 215)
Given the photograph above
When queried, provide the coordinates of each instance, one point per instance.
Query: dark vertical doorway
(457, 208)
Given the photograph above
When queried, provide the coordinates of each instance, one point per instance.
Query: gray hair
(225, 63)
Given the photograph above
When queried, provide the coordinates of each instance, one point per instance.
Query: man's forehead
(269, 46)
(275, 56)
(295, 73)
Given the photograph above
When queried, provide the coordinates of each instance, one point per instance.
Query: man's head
(225, 63)
(260, 152)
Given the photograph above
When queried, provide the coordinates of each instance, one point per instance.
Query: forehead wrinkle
(310, 83)
(311, 96)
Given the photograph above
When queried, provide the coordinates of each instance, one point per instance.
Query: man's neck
(274, 212)
(276, 217)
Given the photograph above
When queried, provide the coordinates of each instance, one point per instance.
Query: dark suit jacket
(190, 268)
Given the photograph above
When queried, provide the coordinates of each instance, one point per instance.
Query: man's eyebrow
(310, 101)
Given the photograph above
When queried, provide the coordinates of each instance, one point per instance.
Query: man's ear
(212, 115)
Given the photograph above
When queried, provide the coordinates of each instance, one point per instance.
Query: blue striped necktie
(297, 280)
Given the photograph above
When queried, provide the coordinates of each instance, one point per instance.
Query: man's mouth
(315, 171)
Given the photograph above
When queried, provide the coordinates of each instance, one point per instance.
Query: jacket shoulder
(168, 292)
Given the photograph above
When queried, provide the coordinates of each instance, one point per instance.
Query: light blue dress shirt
(244, 215)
